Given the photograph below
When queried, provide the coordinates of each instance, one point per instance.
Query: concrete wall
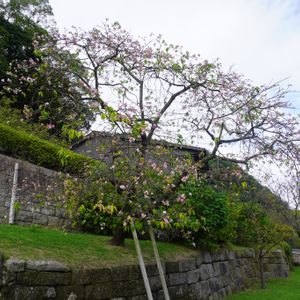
(38, 199)
(208, 276)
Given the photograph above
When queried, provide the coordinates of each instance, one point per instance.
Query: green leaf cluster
(210, 209)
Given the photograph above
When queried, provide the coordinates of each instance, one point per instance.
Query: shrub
(83, 196)
(108, 200)
(41, 152)
(96, 205)
(210, 208)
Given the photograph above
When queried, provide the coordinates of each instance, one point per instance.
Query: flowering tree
(148, 89)
(152, 87)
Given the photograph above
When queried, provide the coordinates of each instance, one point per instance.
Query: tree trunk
(262, 273)
(118, 239)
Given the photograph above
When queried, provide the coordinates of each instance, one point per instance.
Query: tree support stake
(141, 262)
(159, 265)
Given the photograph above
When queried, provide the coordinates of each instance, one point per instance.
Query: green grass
(78, 249)
(277, 289)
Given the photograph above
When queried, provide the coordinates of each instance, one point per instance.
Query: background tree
(255, 229)
(32, 79)
(19, 25)
(287, 188)
(28, 14)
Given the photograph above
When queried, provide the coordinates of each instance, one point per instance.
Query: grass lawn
(78, 249)
(277, 289)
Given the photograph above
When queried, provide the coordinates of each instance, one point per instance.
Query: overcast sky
(259, 38)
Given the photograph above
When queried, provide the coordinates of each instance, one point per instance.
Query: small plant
(17, 206)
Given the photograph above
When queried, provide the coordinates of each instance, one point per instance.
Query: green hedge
(41, 152)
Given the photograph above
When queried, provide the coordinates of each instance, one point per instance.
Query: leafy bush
(210, 208)
(254, 227)
(22, 145)
(83, 206)
(295, 243)
(195, 212)
(131, 189)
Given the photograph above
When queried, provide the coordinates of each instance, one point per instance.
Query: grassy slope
(86, 250)
(277, 289)
(77, 248)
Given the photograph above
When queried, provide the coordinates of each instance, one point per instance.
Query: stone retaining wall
(38, 197)
(296, 257)
(208, 276)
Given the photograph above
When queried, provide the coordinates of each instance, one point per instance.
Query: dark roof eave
(94, 134)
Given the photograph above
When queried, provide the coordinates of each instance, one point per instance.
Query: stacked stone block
(209, 276)
(39, 194)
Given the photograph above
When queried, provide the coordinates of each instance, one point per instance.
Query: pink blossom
(153, 165)
(131, 139)
(132, 109)
(148, 52)
(50, 126)
(184, 178)
(181, 198)
(166, 220)
(165, 202)
(94, 104)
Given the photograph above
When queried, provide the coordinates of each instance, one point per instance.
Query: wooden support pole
(11, 218)
(141, 262)
(159, 265)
